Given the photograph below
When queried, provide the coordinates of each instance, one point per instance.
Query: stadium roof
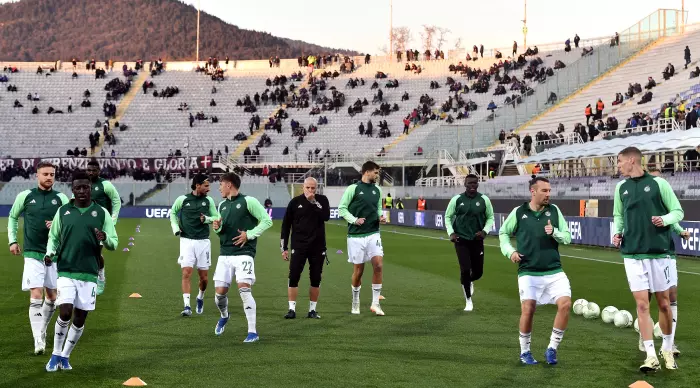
(667, 141)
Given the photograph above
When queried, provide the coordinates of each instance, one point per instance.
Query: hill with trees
(48, 30)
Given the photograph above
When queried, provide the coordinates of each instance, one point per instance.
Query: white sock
(356, 294)
(293, 305)
(674, 311)
(525, 342)
(555, 338)
(60, 330)
(649, 347)
(71, 340)
(312, 306)
(376, 291)
(200, 296)
(36, 318)
(464, 291)
(249, 308)
(186, 299)
(667, 343)
(47, 312)
(222, 304)
(101, 275)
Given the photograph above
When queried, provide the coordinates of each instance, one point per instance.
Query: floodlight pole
(525, 28)
(199, 8)
(391, 29)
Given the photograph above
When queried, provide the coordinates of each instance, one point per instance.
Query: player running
(644, 209)
(104, 194)
(39, 205)
(190, 217)
(361, 207)
(539, 228)
(305, 218)
(78, 231)
(243, 219)
(469, 218)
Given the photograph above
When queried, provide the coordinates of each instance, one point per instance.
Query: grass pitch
(424, 340)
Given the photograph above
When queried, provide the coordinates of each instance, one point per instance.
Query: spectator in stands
(502, 136)
(686, 56)
(515, 48)
(619, 99)
(35, 110)
(576, 40)
(650, 84)
(646, 97)
(367, 59)
(589, 113)
(527, 144)
(17, 104)
(212, 102)
(668, 72)
(70, 105)
(695, 73)
(691, 118)
(83, 152)
(191, 118)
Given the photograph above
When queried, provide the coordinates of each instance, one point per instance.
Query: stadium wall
(594, 231)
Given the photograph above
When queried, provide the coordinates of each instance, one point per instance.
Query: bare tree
(384, 50)
(426, 36)
(458, 44)
(402, 38)
(442, 36)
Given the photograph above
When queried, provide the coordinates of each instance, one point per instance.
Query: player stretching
(469, 217)
(243, 219)
(644, 209)
(39, 205)
(104, 194)
(539, 228)
(361, 207)
(190, 217)
(78, 231)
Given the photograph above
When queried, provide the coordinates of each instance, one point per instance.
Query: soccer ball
(608, 314)
(579, 306)
(623, 318)
(657, 331)
(592, 311)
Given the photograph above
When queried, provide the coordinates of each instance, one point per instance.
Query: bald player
(305, 218)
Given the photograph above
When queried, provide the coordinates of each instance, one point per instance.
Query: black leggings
(470, 255)
(297, 262)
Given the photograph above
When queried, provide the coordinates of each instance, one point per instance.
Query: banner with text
(175, 164)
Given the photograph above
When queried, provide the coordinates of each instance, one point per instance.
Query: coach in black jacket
(305, 218)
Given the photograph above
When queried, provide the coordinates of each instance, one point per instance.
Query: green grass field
(424, 340)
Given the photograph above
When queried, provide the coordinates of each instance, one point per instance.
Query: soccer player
(305, 218)
(104, 194)
(39, 206)
(539, 228)
(190, 217)
(469, 218)
(78, 231)
(243, 219)
(361, 207)
(644, 209)
(673, 291)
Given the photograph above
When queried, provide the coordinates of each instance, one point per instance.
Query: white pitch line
(573, 257)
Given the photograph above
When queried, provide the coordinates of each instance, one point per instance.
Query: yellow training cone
(641, 384)
(135, 295)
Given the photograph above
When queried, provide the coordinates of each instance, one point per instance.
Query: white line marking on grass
(570, 256)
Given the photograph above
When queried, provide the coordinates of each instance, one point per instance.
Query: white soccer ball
(608, 314)
(623, 318)
(592, 311)
(636, 325)
(657, 331)
(579, 306)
